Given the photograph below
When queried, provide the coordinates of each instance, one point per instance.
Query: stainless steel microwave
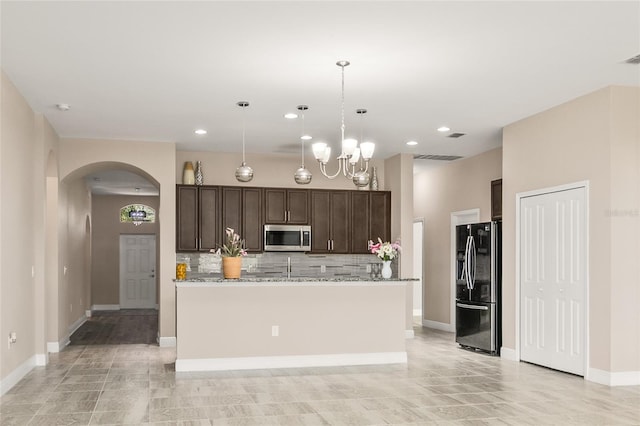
(287, 238)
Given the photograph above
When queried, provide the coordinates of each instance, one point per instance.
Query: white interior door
(553, 262)
(418, 227)
(137, 271)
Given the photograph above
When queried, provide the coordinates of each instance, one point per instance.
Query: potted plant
(387, 252)
(232, 251)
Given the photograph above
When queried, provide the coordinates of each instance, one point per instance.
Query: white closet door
(553, 266)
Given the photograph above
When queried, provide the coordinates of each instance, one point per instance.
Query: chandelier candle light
(244, 173)
(350, 153)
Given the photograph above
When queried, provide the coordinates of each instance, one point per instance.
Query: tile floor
(441, 385)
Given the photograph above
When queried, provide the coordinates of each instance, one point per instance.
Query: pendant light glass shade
(244, 173)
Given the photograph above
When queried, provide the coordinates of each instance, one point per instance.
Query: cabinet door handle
(331, 245)
(328, 245)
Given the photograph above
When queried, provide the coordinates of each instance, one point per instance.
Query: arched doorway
(89, 253)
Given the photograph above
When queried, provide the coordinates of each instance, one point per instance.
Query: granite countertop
(218, 279)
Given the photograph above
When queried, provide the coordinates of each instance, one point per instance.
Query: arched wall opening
(157, 162)
(89, 227)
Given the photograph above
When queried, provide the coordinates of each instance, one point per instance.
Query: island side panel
(313, 319)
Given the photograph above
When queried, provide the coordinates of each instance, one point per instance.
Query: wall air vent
(456, 135)
(436, 157)
(634, 60)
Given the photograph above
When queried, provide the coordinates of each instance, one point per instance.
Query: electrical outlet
(323, 269)
(33, 271)
(275, 330)
(13, 338)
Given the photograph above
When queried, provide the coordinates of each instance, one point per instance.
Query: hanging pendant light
(350, 153)
(361, 177)
(244, 173)
(302, 176)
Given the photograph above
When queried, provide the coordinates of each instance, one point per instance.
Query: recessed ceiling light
(63, 107)
(443, 129)
(200, 132)
(306, 137)
(412, 143)
(291, 115)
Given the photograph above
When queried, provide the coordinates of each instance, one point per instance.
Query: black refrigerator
(478, 284)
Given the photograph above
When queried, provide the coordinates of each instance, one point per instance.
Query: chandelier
(350, 154)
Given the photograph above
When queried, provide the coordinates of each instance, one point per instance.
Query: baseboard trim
(617, 378)
(105, 307)
(508, 354)
(42, 359)
(409, 334)
(58, 346)
(438, 325)
(77, 324)
(267, 362)
(167, 342)
(16, 375)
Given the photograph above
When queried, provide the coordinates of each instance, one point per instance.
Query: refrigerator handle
(467, 262)
(472, 267)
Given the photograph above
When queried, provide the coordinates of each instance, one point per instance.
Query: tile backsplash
(275, 265)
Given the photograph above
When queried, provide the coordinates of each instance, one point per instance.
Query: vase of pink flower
(386, 252)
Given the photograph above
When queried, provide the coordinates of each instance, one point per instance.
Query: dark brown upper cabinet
(252, 218)
(283, 205)
(330, 221)
(370, 219)
(197, 215)
(496, 199)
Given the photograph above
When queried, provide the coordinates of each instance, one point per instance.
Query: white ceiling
(156, 71)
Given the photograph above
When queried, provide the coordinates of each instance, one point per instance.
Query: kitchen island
(255, 323)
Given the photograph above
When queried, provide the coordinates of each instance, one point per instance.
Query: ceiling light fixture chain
(350, 152)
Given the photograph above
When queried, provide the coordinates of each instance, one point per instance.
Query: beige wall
(18, 142)
(157, 162)
(273, 170)
(107, 228)
(593, 138)
(461, 185)
(399, 180)
(73, 289)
